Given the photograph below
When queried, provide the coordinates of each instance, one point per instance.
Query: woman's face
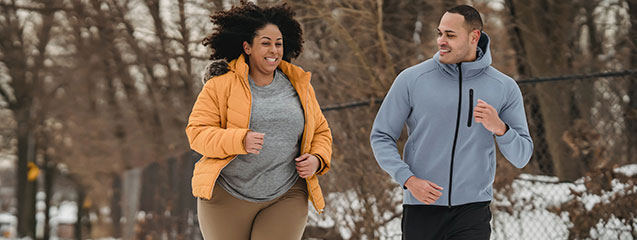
(266, 50)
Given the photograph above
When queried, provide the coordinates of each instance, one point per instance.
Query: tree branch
(39, 9)
(6, 98)
(383, 44)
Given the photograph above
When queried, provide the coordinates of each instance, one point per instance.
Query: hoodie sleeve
(204, 131)
(387, 127)
(516, 144)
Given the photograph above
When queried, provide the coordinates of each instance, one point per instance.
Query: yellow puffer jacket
(220, 118)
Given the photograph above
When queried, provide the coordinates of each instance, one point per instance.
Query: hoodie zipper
(455, 137)
(470, 119)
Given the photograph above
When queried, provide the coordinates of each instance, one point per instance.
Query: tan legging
(226, 217)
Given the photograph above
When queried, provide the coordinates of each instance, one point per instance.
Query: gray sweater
(277, 112)
(445, 145)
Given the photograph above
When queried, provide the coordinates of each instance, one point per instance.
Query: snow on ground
(527, 217)
(628, 170)
(65, 214)
(8, 223)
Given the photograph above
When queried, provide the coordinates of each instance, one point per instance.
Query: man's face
(454, 39)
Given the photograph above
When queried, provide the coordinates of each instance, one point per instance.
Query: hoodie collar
(469, 69)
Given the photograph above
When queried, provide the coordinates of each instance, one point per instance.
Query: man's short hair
(471, 16)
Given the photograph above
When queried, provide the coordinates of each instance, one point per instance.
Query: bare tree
(545, 25)
(631, 111)
(23, 54)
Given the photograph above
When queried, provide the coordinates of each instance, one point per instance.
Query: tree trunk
(17, 47)
(81, 197)
(48, 189)
(546, 24)
(584, 92)
(32, 189)
(186, 75)
(116, 206)
(541, 154)
(21, 190)
(119, 131)
(25, 189)
(631, 113)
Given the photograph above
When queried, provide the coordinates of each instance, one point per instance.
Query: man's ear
(247, 48)
(475, 36)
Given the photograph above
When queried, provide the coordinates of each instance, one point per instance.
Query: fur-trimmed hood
(215, 68)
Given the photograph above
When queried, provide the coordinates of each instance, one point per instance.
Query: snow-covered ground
(527, 216)
(534, 195)
(66, 213)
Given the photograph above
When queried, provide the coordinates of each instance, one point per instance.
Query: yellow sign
(33, 171)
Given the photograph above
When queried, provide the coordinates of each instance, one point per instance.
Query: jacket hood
(470, 69)
(215, 68)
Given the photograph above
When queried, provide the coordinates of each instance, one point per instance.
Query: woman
(259, 127)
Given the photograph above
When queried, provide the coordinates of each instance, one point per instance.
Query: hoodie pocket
(470, 119)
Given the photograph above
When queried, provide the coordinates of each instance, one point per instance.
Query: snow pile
(529, 217)
(65, 214)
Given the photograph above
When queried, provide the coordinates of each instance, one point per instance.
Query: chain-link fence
(580, 182)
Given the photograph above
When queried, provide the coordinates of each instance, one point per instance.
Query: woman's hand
(306, 165)
(253, 142)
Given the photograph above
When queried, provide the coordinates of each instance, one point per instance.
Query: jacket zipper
(455, 137)
(249, 119)
(470, 119)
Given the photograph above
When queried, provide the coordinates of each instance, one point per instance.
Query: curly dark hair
(241, 23)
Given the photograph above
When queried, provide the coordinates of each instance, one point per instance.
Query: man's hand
(488, 116)
(423, 190)
(253, 142)
(306, 165)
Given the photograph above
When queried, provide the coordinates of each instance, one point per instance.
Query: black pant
(469, 221)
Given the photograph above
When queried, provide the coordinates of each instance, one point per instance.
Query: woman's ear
(247, 48)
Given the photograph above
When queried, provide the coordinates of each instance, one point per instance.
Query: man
(454, 106)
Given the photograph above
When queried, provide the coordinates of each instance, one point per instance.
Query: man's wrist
(407, 182)
(503, 130)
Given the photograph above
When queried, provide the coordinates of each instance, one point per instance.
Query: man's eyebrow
(447, 31)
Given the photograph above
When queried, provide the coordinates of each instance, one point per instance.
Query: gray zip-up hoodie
(445, 145)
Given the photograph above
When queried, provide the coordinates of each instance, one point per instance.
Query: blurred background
(95, 96)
